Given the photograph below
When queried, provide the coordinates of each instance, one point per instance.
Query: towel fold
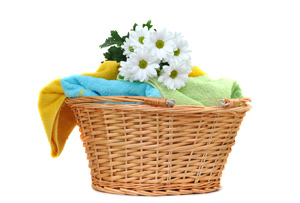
(202, 91)
(77, 85)
(57, 117)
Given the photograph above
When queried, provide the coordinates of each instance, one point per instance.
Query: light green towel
(202, 91)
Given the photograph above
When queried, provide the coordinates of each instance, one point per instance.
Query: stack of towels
(58, 119)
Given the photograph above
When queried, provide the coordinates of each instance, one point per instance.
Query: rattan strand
(144, 150)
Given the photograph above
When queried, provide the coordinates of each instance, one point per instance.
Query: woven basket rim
(94, 102)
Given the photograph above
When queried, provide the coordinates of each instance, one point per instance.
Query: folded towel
(77, 85)
(196, 72)
(202, 91)
(57, 117)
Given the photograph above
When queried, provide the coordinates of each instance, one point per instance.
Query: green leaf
(148, 24)
(115, 54)
(115, 39)
(107, 55)
(163, 64)
(108, 42)
(134, 26)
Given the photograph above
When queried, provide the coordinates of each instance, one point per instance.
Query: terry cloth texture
(57, 117)
(78, 85)
(202, 91)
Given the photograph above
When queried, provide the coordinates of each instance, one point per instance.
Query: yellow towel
(196, 71)
(57, 117)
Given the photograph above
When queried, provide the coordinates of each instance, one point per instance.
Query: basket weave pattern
(146, 150)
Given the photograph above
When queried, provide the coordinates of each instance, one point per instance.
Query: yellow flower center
(131, 49)
(141, 40)
(177, 52)
(160, 44)
(143, 64)
(173, 74)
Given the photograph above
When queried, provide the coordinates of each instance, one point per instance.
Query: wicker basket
(153, 149)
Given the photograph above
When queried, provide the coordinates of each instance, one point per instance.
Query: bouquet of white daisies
(144, 53)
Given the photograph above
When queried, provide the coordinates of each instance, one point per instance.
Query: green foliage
(126, 36)
(115, 39)
(163, 64)
(148, 24)
(115, 54)
(134, 26)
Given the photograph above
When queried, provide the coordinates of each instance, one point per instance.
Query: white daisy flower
(181, 51)
(128, 47)
(161, 44)
(189, 63)
(125, 70)
(141, 66)
(175, 75)
(139, 36)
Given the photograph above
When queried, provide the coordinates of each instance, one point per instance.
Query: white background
(254, 42)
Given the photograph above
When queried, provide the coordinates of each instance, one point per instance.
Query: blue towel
(90, 86)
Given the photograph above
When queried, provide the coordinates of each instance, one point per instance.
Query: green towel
(201, 91)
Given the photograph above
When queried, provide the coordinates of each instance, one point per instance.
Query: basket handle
(229, 103)
(153, 101)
